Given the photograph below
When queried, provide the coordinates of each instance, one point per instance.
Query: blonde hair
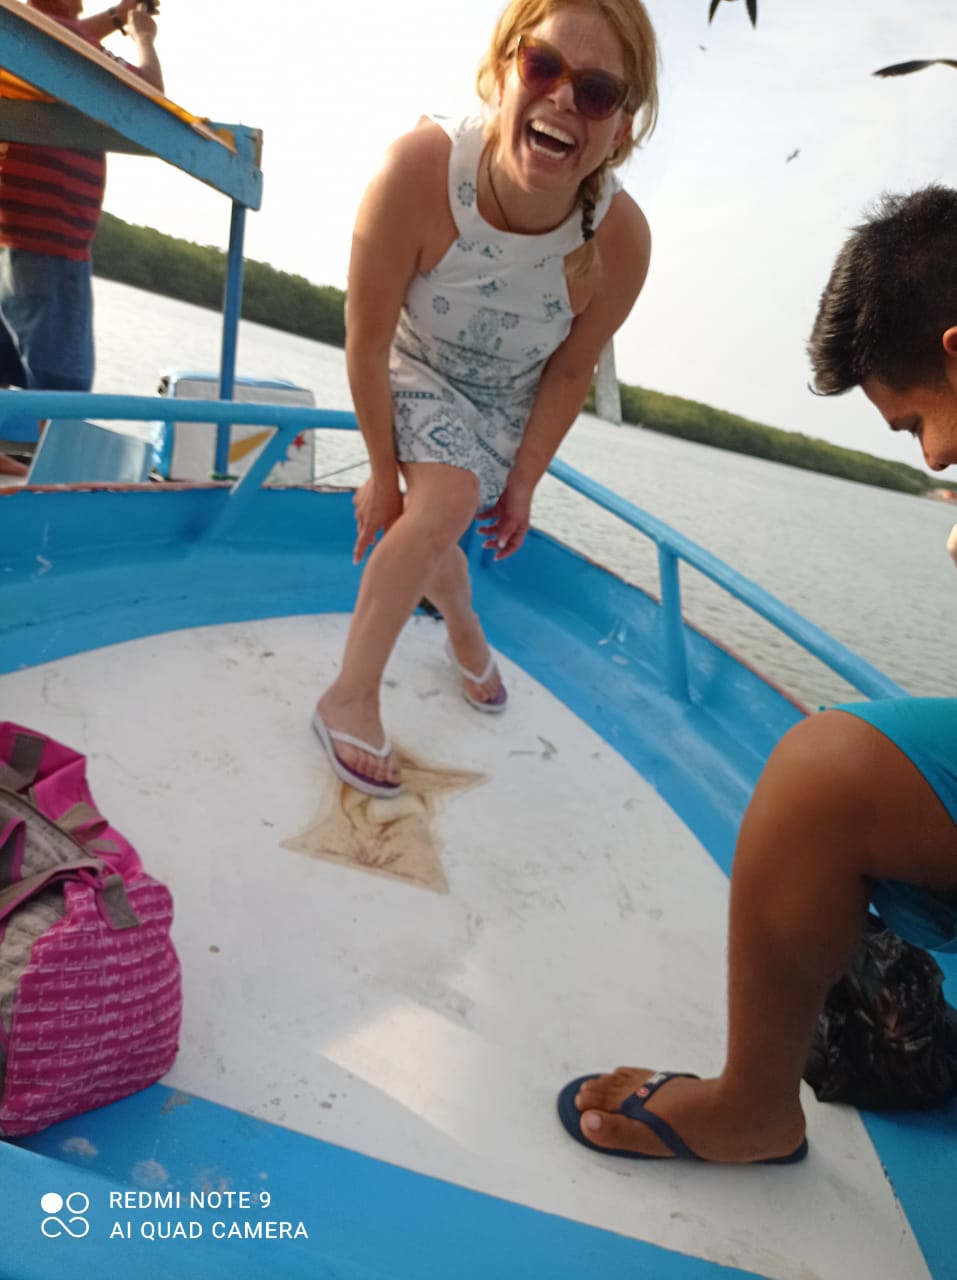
(639, 50)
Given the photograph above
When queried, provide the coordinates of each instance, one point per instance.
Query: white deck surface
(584, 927)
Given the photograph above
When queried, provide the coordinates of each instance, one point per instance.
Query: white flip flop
(352, 777)
(499, 702)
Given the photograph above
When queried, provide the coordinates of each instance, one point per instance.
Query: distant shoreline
(149, 259)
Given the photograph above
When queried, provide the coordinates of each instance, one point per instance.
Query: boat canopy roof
(56, 89)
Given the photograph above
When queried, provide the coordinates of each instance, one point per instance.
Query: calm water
(867, 565)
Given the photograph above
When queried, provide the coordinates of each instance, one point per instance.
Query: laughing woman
(491, 262)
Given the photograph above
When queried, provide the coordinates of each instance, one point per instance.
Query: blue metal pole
(232, 304)
(674, 656)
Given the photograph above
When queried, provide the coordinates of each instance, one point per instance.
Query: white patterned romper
(474, 333)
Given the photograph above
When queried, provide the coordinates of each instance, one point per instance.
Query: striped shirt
(50, 197)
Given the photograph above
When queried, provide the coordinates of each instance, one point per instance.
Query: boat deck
(346, 986)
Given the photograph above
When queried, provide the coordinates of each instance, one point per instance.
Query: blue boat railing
(673, 547)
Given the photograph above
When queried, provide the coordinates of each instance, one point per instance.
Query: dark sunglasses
(597, 94)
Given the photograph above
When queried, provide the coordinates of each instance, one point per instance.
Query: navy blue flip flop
(635, 1109)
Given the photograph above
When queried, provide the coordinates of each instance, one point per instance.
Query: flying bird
(905, 68)
(752, 7)
(794, 153)
(898, 69)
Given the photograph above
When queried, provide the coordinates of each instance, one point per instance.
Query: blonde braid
(590, 193)
(584, 259)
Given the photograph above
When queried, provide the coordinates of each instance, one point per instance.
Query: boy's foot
(699, 1111)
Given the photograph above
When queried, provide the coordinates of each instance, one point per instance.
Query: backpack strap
(27, 832)
(69, 843)
(83, 822)
(20, 771)
(114, 904)
(19, 892)
(13, 837)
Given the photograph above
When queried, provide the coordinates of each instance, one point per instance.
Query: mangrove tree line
(148, 259)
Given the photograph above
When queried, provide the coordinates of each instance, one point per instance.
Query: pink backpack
(90, 992)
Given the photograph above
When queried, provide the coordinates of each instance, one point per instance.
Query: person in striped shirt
(50, 202)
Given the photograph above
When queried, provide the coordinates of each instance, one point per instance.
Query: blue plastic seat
(73, 451)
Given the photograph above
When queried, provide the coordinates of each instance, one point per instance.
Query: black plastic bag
(886, 1039)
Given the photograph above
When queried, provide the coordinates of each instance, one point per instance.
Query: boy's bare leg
(837, 805)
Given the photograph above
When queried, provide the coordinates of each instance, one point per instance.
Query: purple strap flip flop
(496, 704)
(352, 777)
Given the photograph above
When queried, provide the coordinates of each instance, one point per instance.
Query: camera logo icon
(74, 1207)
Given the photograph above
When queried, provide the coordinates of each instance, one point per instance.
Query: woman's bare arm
(392, 231)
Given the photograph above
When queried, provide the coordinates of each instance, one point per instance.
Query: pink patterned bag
(90, 992)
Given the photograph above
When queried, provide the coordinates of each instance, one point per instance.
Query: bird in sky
(751, 5)
(918, 64)
(795, 152)
(897, 69)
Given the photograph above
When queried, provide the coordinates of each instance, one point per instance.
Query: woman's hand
(378, 504)
(509, 519)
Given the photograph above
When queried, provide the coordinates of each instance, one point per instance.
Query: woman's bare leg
(450, 590)
(440, 504)
(837, 805)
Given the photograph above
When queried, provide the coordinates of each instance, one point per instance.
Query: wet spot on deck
(393, 837)
(177, 1099)
(149, 1173)
(79, 1147)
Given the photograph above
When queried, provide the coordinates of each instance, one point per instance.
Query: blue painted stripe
(364, 1218)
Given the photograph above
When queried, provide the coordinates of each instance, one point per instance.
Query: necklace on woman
(491, 186)
(498, 204)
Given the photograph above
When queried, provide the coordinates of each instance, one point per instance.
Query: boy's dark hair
(891, 296)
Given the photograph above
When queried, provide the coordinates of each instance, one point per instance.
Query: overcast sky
(743, 238)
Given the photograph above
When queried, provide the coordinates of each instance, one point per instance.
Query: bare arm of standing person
(134, 19)
(100, 25)
(392, 227)
(141, 29)
(624, 244)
